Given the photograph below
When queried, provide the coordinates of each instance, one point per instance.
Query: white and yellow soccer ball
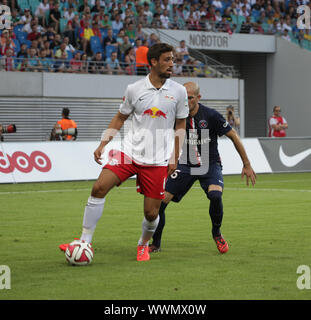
(79, 253)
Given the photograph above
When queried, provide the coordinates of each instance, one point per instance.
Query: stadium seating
(17, 46)
(234, 19)
(33, 4)
(103, 32)
(70, 55)
(115, 32)
(23, 4)
(265, 27)
(96, 45)
(21, 36)
(109, 49)
(18, 28)
(62, 24)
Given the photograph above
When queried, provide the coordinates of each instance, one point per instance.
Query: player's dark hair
(157, 49)
(66, 112)
(275, 108)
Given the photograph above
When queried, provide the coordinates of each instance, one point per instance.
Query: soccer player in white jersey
(151, 148)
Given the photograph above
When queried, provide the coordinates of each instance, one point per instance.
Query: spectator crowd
(106, 37)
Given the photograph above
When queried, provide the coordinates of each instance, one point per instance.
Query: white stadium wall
(288, 86)
(33, 101)
(34, 84)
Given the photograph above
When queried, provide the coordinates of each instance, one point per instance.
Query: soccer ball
(79, 253)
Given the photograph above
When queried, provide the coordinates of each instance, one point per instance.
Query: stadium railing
(214, 67)
(194, 69)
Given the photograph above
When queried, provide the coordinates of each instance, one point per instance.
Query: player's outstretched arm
(247, 168)
(180, 132)
(113, 128)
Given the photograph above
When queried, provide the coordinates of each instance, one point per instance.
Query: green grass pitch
(267, 228)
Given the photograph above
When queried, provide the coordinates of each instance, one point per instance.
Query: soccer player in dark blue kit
(200, 161)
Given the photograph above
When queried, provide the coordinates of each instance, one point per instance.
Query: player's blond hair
(193, 86)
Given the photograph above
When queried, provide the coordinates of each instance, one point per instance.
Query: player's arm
(116, 124)
(284, 125)
(275, 127)
(237, 121)
(278, 126)
(113, 128)
(180, 131)
(247, 168)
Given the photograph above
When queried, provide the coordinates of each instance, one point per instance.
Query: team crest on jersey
(203, 124)
(169, 97)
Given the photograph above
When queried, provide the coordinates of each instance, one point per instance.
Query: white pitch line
(51, 191)
(269, 181)
(41, 191)
(195, 187)
(270, 189)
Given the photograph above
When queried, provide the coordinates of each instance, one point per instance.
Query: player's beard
(161, 74)
(164, 75)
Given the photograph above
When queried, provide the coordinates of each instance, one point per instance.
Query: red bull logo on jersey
(155, 113)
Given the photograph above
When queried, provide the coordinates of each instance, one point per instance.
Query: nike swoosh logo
(291, 161)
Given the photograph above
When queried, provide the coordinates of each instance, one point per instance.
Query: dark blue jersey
(201, 146)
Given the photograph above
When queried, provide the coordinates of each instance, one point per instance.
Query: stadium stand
(233, 16)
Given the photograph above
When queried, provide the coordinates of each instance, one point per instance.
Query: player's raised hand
(249, 173)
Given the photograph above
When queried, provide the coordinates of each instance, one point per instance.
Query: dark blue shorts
(179, 183)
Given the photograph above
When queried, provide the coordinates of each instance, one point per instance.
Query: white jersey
(150, 139)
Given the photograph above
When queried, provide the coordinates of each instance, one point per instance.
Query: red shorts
(150, 180)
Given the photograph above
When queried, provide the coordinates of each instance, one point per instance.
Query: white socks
(148, 229)
(94, 210)
(92, 213)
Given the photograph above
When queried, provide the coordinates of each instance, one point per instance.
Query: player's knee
(168, 197)
(216, 207)
(98, 191)
(214, 195)
(151, 214)
(95, 190)
(166, 201)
